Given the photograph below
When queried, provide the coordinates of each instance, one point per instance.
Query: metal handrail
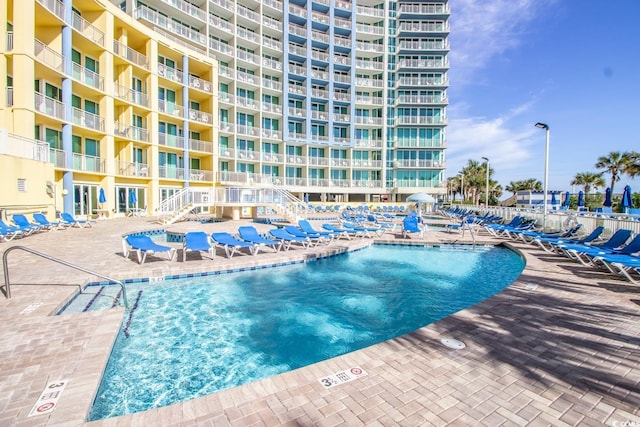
(59, 261)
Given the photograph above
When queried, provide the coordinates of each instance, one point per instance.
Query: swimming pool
(191, 337)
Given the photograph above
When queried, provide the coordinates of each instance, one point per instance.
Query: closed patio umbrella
(581, 199)
(607, 198)
(102, 198)
(133, 198)
(554, 201)
(565, 203)
(626, 198)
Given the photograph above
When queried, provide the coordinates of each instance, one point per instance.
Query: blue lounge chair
(23, 224)
(288, 239)
(584, 254)
(197, 241)
(615, 241)
(14, 228)
(620, 264)
(367, 230)
(143, 245)
(251, 235)
(410, 225)
(8, 233)
(549, 244)
(528, 236)
(313, 237)
(306, 227)
(42, 220)
(344, 232)
(67, 219)
(231, 245)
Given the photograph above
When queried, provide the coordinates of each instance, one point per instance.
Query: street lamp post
(546, 171)
(486, 194)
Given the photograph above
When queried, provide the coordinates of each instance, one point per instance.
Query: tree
(588, 180)
(632, 168)
(615, 163)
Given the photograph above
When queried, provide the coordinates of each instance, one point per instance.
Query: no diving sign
(342, 377)
(48, 399)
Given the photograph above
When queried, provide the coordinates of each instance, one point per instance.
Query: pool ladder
(59, 261)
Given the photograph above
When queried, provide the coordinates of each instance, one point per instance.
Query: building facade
(339, 100)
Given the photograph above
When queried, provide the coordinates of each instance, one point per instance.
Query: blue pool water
(191, 337)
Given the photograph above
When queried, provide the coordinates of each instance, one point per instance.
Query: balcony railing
(170, 73)
(131, 95)
(26, 148)
(169, 140)
(87, 119)
(49, 106)
(170, 172)
(88, 77)
(48, 56)
(131, 132)
(88, 30)
(187, 8)
(133, 169)
(54, 6)
(198, 145)
(170, 108)
(84, 163)
(200, 116)
(129, 54)
(9, 96)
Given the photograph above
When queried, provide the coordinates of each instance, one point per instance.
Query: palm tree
(632, 168)
(615, 163)
(531, 184)
(588, 180)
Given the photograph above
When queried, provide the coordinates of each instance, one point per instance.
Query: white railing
(48, 56)
(129, 54)
(19, 146)
(49, 106)
(87, 29)
(86, 76)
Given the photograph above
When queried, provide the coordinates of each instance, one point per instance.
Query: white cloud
(476, 137)
(483, 29)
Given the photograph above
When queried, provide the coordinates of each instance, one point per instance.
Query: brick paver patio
(560, 346)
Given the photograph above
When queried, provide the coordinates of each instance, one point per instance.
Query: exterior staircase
(182, 203)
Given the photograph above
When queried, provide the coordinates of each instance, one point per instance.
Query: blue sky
(573, 64)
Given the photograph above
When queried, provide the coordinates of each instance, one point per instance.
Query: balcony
(130, 95)
(187, 8)
(122, 130)
(26, 148)
(54, 6)
(170, 73)
(133, 169)
(86, 163)
(130, 55)
(86, 76)
(49, 106)
(87, 29)
(200, 116)
(198, 145)
(170, 108)
(87, 119)
(168, 140)
(421, 120)
(48, 56)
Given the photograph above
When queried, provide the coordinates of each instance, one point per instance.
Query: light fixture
(546, 171)
(486, 194)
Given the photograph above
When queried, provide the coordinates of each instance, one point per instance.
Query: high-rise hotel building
(137, 99)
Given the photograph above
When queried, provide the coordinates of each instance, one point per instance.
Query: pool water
(192, 337)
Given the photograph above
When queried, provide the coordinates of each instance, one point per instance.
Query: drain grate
(453, 343)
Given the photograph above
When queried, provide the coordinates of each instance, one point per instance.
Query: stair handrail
(59, 261)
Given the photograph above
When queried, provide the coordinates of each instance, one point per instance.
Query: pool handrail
(59, 261)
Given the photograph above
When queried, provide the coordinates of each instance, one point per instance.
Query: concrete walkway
(558, 347)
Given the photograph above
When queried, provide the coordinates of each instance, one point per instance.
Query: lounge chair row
(248, 238)
(618, 254)
(22, 226)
